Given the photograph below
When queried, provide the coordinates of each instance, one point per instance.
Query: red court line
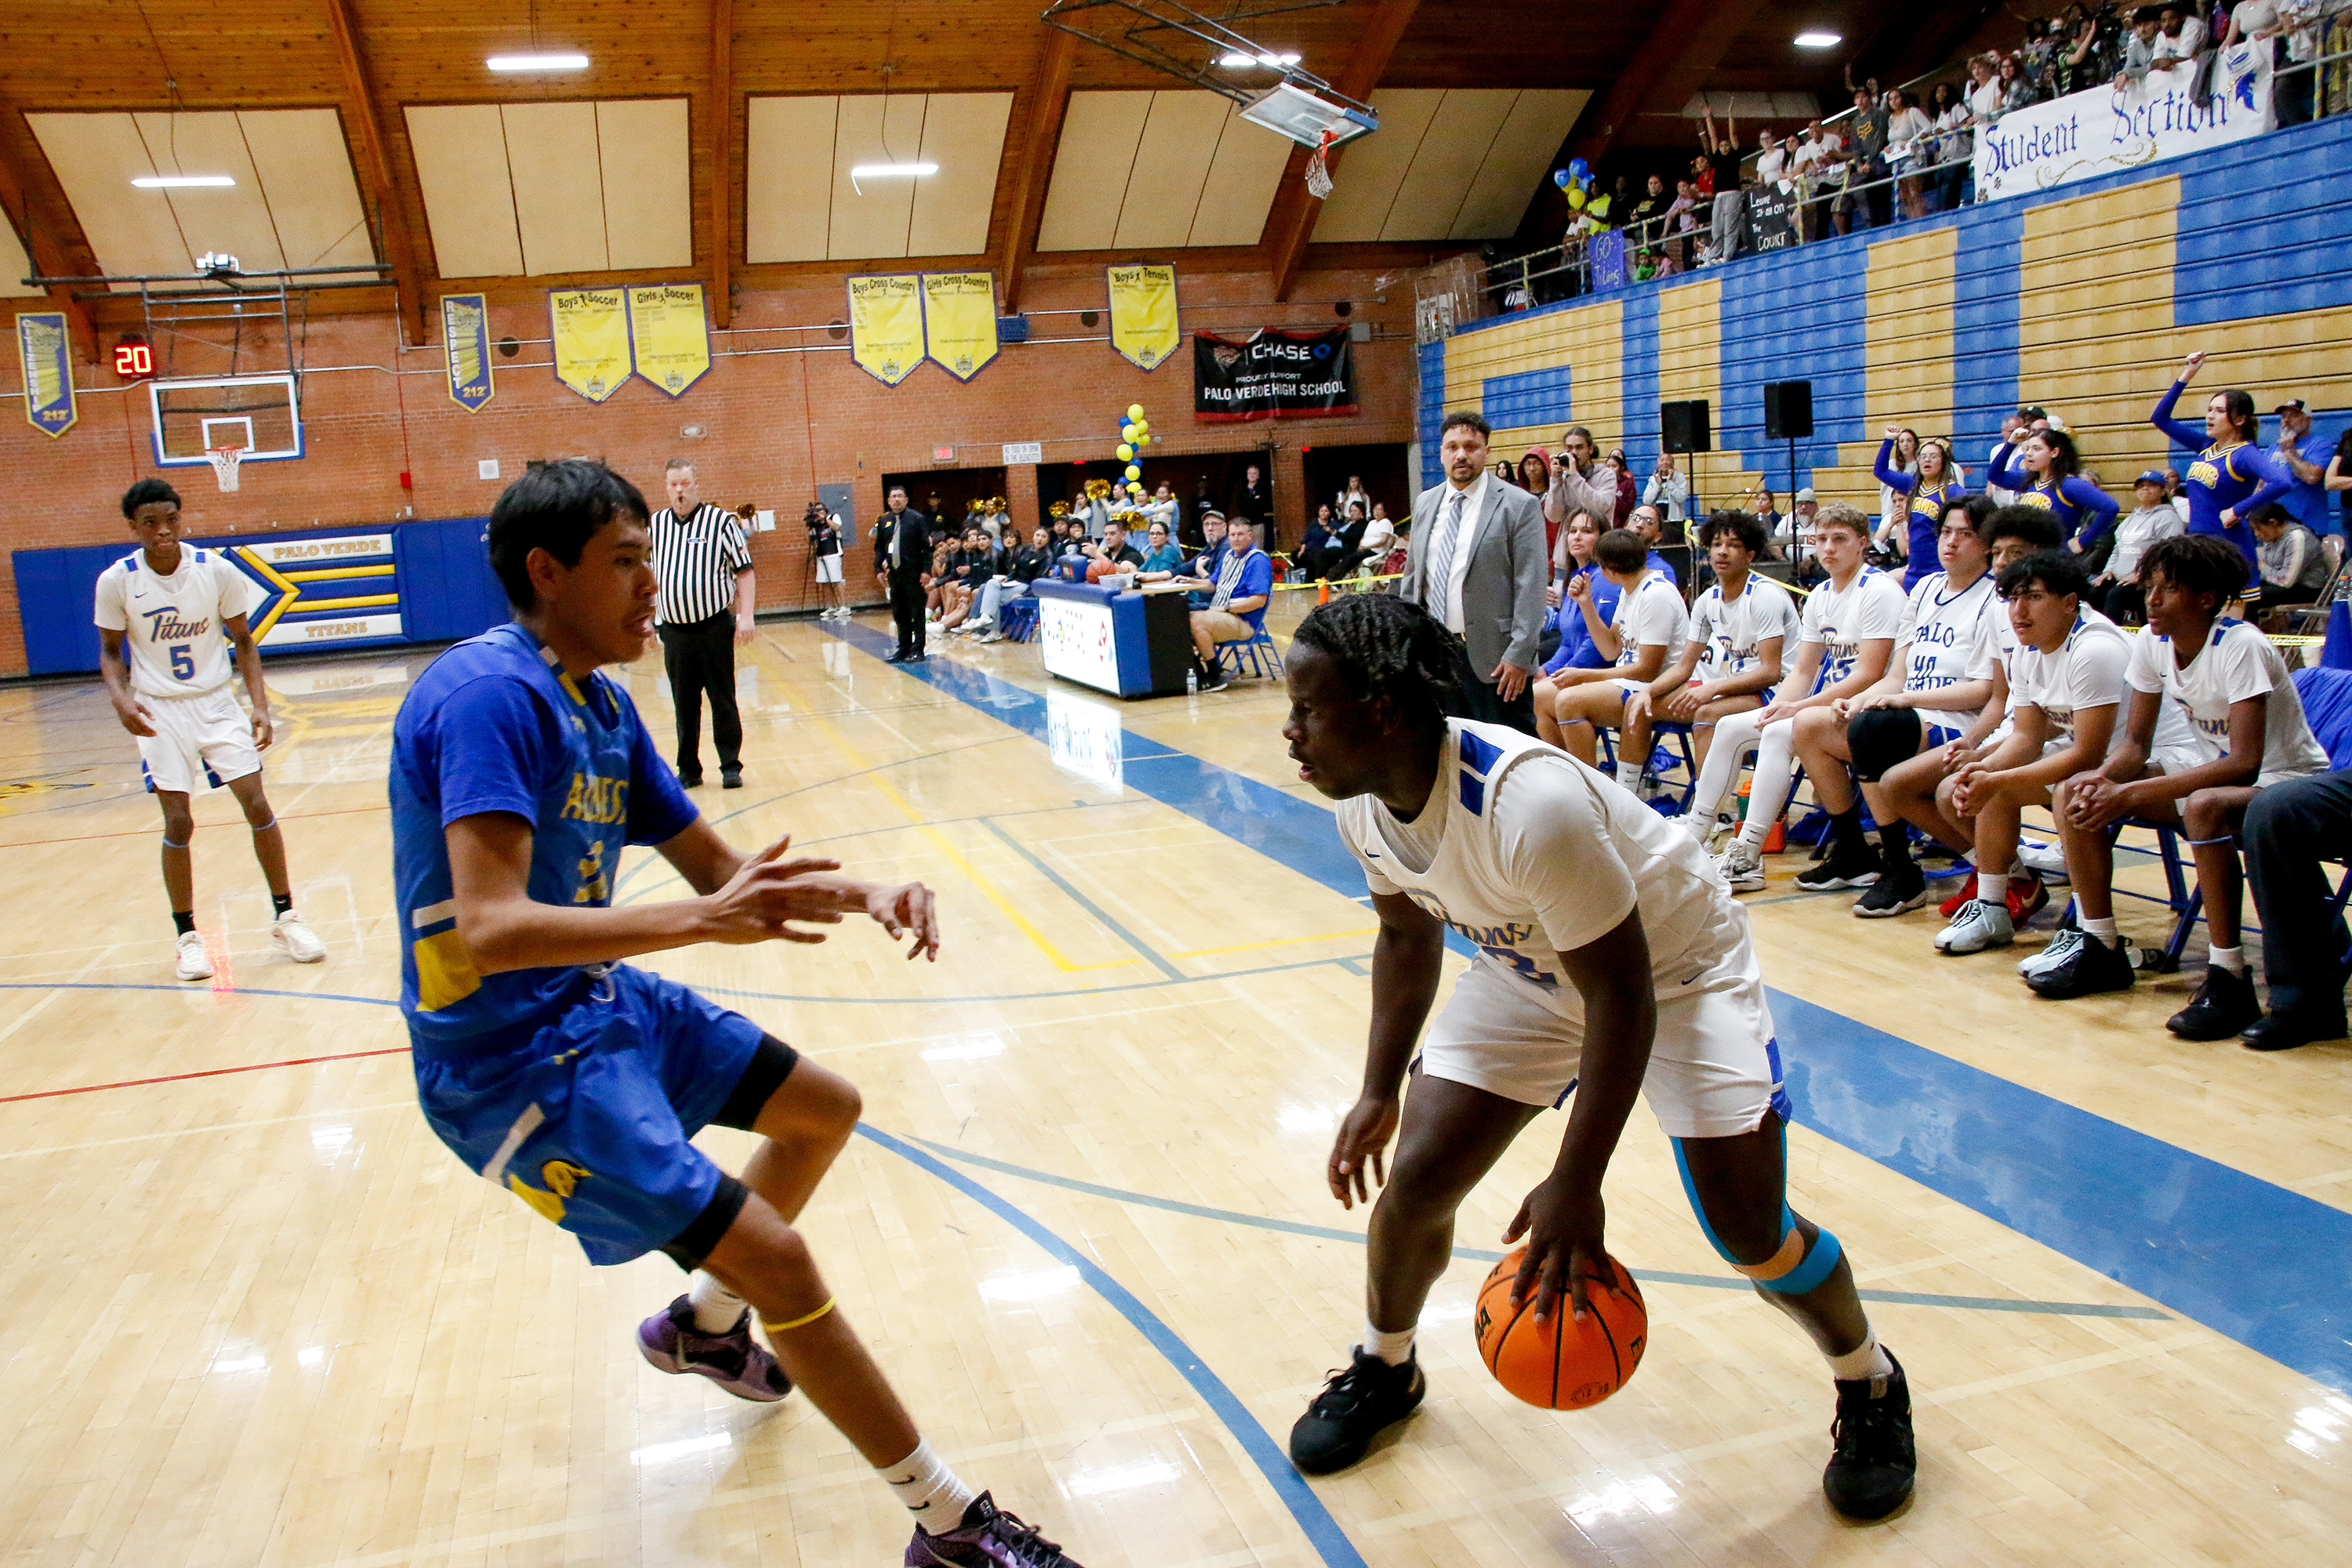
(208, 1072)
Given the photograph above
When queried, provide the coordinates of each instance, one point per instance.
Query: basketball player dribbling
(575, 1080)
(1613, 961)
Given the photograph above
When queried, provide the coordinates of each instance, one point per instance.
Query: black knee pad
(1880, 739)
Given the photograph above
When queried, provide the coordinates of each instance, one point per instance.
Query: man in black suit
(902, 561)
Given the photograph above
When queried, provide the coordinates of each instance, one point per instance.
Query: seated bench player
(1742, 630)
(1648, 627)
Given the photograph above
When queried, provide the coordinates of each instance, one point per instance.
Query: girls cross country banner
(1273, 374)
(886, 325)
(960, 320)
(1143, 313)
(2163, 115)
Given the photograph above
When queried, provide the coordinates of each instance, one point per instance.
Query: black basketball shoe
(1352, 1410)
(1871, 1468)
(2221, 1008)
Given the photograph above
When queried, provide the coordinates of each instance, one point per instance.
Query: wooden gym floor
(257, 1315)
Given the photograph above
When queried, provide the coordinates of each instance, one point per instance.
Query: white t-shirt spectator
(2000, 497)
(1378, 535)
(1987, 101)
(1731, 632)
(1953, 143)
(2236, 662)
(2086, 671)
(1650, 614)
(1842, 620)
(1771, 164)
(2135, 533)
(1904, 132)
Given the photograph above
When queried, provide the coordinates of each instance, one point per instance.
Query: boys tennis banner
(960, 320)
(591, 328)
(45, 350)
(886, 325)
(1273, 374)
(466, 341)
(1143, 313)
(2162, 115)
(670, 340)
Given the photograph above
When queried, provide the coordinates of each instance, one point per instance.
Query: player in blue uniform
(2233, 473)
(1926, 494)
(572, 1078)
(2048, 475)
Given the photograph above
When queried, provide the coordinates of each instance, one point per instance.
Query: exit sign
(944, 454)
(133, 362)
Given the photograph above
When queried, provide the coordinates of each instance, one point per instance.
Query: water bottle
(1191, 684)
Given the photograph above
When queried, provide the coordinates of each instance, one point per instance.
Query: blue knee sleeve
(1794, 1267)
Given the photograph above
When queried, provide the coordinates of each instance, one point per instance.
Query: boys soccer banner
(886, 325)
(2099, 131)
(1143, 313)
(670, 340)
(45, 350)
(1273, 374)
(591, 328)
(466, 341)
(960, 320)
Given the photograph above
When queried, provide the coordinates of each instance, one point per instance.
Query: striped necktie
(1441, 557)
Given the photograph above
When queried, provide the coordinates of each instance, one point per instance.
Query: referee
(703, 607)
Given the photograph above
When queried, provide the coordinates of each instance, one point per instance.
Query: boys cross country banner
(960, 320)
(1143, 313)
(669, 340)
(46, 352)
(465, 340)
(591, 329)
(1273, 374)
(886, 325)
(2162, 115)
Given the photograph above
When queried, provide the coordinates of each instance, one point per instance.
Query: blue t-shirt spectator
(1577, 649)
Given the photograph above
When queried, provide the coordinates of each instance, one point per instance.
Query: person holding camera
(825, 558)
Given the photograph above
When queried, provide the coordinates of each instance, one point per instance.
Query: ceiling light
(1239, 61)
(1819, 40)
(538, 62)
(181, 182)
(892, 171)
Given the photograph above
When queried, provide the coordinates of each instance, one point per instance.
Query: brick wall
(775, 423)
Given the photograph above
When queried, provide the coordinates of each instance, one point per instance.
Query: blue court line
(1480, 1255)
(2269, 1267)
(1094, 910)
(1322, 1531)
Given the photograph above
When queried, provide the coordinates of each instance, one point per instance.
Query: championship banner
(591, 328)
(465, 340)
(1273, 374)
(2162, 115)
(669, 337)
(1143, 313)
(960, 320)
(886, 325)
(45, 350)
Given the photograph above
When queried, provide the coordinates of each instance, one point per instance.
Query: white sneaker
(2043, 856)
(2061, 946)
(1977, 926)
(293, 933)
(195, 964)
(1741, 867)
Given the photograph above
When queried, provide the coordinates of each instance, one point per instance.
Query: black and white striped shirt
(696, 560)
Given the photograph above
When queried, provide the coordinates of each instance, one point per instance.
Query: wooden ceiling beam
(1039, 110)
(23, 172)
(1684, 43)
(366, 129)
(720, 107)
(1291, 223)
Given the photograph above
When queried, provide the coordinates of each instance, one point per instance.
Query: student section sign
(2164, 115)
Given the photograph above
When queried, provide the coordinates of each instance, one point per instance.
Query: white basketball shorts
(199, 743)
(828, 568)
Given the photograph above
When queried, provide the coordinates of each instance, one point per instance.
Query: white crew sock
(717, 1310)
(2232, 959)
(1629, 773)
(1993, 887)
(2102, 931)
(1768, 788)
(1868, 1359)
(930, 1491)
(1395, 1349)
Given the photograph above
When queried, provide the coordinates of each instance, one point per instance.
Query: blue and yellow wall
(2083, 299)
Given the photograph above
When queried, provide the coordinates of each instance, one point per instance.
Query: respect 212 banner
(1273, 374)
(2163, 115)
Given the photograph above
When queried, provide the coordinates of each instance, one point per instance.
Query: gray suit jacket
(1502, 594)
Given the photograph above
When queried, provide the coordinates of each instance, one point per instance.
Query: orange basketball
(1562, 1364)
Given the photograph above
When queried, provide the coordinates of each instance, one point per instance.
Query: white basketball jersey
(1951, 636)
(1842, 620)
(174, 628)
(1732, 632)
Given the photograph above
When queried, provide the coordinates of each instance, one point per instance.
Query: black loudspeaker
(1684, 426)
(1788, 410)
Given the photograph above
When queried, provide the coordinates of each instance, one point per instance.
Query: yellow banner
(668, 336)
(1143, 313)
(960, 320)
(886, 325)
(591, 328)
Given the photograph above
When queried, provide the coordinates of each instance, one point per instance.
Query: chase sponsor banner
(1143, 326)
(465, 340)
(960, 320)
(2163, 115)
(669, 337)
(591, 329)
(886, 325)
(1273, 374)
(45, 350)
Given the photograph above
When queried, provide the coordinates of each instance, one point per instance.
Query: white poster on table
(2106, 129)
(1076, 639)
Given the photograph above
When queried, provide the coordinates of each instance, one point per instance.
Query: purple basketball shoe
(734, 1361)
(988, 1538)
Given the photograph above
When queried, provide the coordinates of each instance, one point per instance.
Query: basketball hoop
(1319, 173)
(225, 460)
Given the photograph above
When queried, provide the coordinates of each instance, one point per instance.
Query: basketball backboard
(260, 414)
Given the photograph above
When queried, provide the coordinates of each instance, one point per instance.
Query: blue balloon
(1580, 168)
(1562, 178)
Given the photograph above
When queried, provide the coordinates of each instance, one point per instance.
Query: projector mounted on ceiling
(1170, 37)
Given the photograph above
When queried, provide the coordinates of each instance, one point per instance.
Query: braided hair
(1388, 647)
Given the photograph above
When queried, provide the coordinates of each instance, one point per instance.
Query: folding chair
(1264, 658)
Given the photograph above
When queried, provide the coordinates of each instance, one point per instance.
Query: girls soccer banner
(960, 320)
(466, 341)
(1273, 374)
(886, 325)
(45, 351)
(1143, 313)
(669, 339)
(591, 328)
(2163, 115)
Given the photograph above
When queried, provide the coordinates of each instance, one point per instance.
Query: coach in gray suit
(1475, 561)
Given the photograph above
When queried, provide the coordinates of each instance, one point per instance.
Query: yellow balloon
(1133, 472)
(1576, 199)
(1143, 440)
(1135, 489)
(1143, 426)
(1134, 411)
(1125, 453)
(1126, 432)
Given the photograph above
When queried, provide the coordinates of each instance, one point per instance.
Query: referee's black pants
(700, 658)
(907, 598)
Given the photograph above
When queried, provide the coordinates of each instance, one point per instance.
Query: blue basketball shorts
(588, 1120)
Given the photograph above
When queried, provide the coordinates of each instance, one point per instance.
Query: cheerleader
(2233, 473)
(2048, 475)
(1919, 496)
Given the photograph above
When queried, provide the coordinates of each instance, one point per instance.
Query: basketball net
(225, 460)
(1319, 173)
